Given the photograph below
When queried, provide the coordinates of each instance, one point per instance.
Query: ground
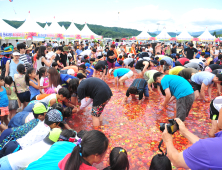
(136, 127)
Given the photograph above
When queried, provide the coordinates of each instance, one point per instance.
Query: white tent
(6, 27)
(206, 36)
(30, 26)
(46, 26)
(184, 35)
(55, 28)
(72, 30)
(143, 35)
(64, 29)
(87, 33)
(163, 35)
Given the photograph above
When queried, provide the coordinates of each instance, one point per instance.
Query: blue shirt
(64, 78)
(168, 60)
(34, 92)
(120, 72)
(13, 68)
(179, 87)
(78, 51)
(3, 98)
(203, 77)
(92, 44)
(51, 159)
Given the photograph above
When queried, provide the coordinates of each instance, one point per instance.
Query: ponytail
(118, 159)
(93, 142)
(29, 71)
(21, 69)
(41, 72)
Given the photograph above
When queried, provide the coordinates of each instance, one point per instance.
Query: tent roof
(143, 35)
(30, 26)
(72, 30)
(55, 28)
(206, 35)
(163, 35)
(46, 26)
(87, 32)
(6, 27)
(64, 29)
(184, 35)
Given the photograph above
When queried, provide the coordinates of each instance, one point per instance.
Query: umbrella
(173, 39)
(217, 40)
(195, 39)
(133, 38)
(152, 38)
(123, 39)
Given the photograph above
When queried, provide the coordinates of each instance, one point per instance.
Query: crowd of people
(44, 84)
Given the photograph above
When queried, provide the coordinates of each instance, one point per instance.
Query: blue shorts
(4, 164)
(24, 97)
(18, 119)
(5, 133)
(146, 91)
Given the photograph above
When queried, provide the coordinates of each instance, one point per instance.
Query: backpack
(4, 69)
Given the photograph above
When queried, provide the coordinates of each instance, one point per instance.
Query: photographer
(203, 154)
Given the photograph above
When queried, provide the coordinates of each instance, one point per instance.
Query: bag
(4, 69)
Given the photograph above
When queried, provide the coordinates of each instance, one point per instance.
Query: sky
(150, 15)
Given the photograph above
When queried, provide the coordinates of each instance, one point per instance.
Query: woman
(41, 58)
(98, 92)
(139, 49)
(207, 52)
(168, 50)
(34, 57)
(11, 65)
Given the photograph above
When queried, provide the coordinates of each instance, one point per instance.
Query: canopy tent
(46, 26)
(163, 35)
(55, 28)
(184, 35)
(143, 35)
(206, 36)
(73, 32)
(6, 29)
(86, 33)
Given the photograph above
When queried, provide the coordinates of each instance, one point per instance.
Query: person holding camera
(203, 154)
(179, 88)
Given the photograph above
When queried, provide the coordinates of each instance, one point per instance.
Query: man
(23, 57)
(92, 44)
(193, 65)
(179, 88)
(191, 52)
(158, 48)
(139, 86)
(166, 61)
(79, 51)
(187, 73)
(181, 61)
(144, 55)
(200, 81)
(63, 56)
(70, 45)
(148, 76)
(57, 58)
(90, 53)
(111, 55)
(124, 47)
(55, 44)
(203, 154)
(129, 62)
(173, 71)
(121, 74)
(99, 50)
(174, 51)
(149, 50)
(87, 46)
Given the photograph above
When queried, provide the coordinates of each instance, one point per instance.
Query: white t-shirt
(38, 133)
(41, 83)
(47, 99)
(21, 159)
(198, 61)
(99, 53)
(49, 55)
(149, 49)
(218, 103)
(85, 52)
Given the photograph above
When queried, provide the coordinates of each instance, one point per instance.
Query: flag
(29, 11)
(10, 0)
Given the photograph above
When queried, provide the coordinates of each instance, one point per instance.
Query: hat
(80, 76)
(54, 116)
(124, 43)
(7, 51)
(70, 71)
(156, 63)
(111, 70)
(65, 48)
(143, 47)
(16, 53)
(87, 65)
(53, 136)
(39, 108)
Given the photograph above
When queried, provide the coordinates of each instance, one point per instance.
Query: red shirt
(183, 60)
(83, 166)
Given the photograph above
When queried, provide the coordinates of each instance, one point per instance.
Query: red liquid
(136, 127)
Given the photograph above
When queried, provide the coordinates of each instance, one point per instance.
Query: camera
(172, 127)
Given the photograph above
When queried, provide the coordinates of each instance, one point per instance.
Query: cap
(87, 65)
(16, 53)
(54, 134)
(70, 71)
(39, 108)
(54, 116)
(143, 47)
(65, 48)
(80, 76)
(110, 70)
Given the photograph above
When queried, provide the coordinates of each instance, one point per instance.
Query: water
(136, 127)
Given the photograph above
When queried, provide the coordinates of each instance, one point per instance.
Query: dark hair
(8, 80)
(94, 50)
(41, 72)
(113, 46)
(81, 133)
(218, 62)
(47, 122)
(157, 74)
(65, 92)
(82, 66)
(162, 62)
(85, 56)
(219, 76)
(120, 56)
(156, 58)
(68, 133)
(54, 64)
(120, 62)
(118, 160)
(67, 112)
(93, 142)
(60, 49)
(166, 68)
(36, 49)
(202, 53)
(73, 85)
(219, 57)
(21, 46)
(41, 52)
(191, 45)
(177, 55)
(132, 90)
(186, 62)
(54, 78)
(92, 59)
(58, 106)
(36, 116)
(82, 60)
(206, 56)
(160, 162)
(29, 71)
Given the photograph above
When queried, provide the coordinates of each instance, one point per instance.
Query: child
(160, 161)
(55, 65)
(44, 81)
(82, 69)
(91, 149)
(32, 82)
(118, 159)
(21, 87)
(3, 102)
(13, 103)
(49, 54)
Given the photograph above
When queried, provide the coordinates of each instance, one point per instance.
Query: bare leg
(96, 121)
(12, 114)
(214, 128)
(3, 127)
(196, 94)
(6, 119)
